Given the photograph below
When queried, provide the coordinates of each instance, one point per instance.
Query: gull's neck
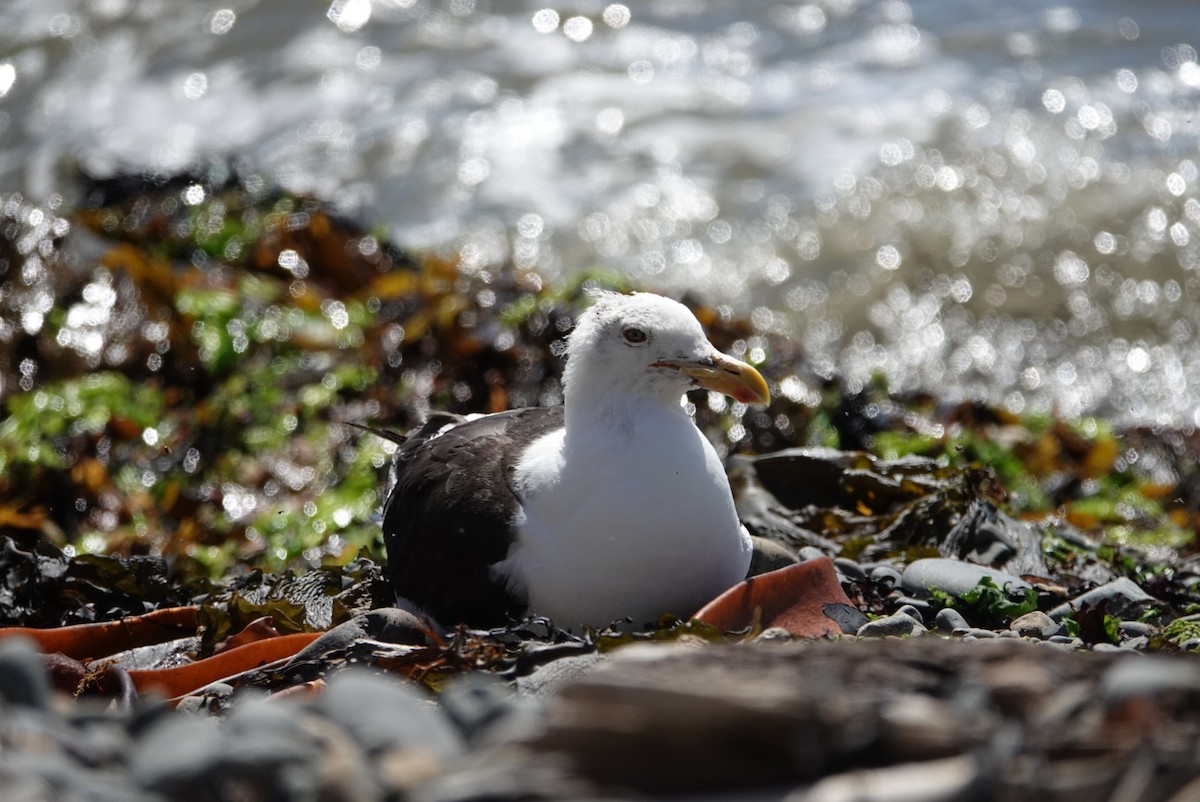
(617, 412)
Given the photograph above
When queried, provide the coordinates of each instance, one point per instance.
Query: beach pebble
(549, 679)
(891, 625)
(911, 612)
(486, 710)
(1133, 629)
(809, 553)
(948, 619)
(1151, 675)
(975, 632)
(23, 679)
(176, 752)
(1035, 625)
(382, 713)
(885, 577)
(850, 569)
(1123, 594)
(956, 577)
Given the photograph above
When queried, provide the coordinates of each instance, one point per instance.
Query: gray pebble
(1189, 645)
(486, 710)
(1035, 625)
(810, 553)
(885, 578)
(381, 712)
(911, 612)
(1133, 629)
(1124, 592)
(850, 569)
(774, 634)
(1062, 639)
(1007, 633)
(552, 677)
(981, 633)
(1137, 643)
(891, 625)
(1152, 674)
(949, 619)
(23, 679)
(176, 751)
(1105, 647)
(956, 577)
(896, 600)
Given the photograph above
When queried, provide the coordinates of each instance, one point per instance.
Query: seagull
(611, 506)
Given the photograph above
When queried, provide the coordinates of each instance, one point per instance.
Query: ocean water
(989, 200)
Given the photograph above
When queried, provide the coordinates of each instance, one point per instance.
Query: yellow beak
(724, 374)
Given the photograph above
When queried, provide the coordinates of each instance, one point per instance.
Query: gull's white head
(645, 345)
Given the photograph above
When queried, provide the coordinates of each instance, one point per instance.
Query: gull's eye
(632, 335)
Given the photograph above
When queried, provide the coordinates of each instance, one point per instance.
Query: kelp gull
(611, 505)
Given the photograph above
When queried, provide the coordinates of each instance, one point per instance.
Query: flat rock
(1123, 594)
(956, 577)
(1036, 625)
(898, 625)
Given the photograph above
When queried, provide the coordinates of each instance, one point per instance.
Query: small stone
(898, 600)
(911, 612)
(381, 712)
(774, 634)
(1133, 629)
(1063, 639)
(1122, 595)
(949, 619)
(768, 555)
(1150, 675)
(1007, 633)
(549, 679)
(23, 679)
(809, 553)
(981, 633)
(486, 710)
(956, 578)
(885, 577)
(898, 625)
(1105, 647)
(1035, 625)
(1139, 643)
(1189, 645)
(850, 569)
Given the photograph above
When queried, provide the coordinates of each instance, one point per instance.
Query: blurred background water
(989, 200)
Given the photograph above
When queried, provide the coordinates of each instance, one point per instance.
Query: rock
(911, 612)
(886, 578)
(1134, 629)
(810, 553)
(891, 625)
(388, 624)
(23, 679)
(956, 578)
(948, 619)
(1150, 676)
(1035, 625)
(849, 569)
(1122, 596)
(486, 710)
(552, 677)
(176, 752)
(773, 634)
(976, 632)
(768, 555)
(930, 780)
(381, 713)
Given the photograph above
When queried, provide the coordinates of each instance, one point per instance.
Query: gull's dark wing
(449, 514)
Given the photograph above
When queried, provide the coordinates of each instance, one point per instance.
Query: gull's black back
(449, 514)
